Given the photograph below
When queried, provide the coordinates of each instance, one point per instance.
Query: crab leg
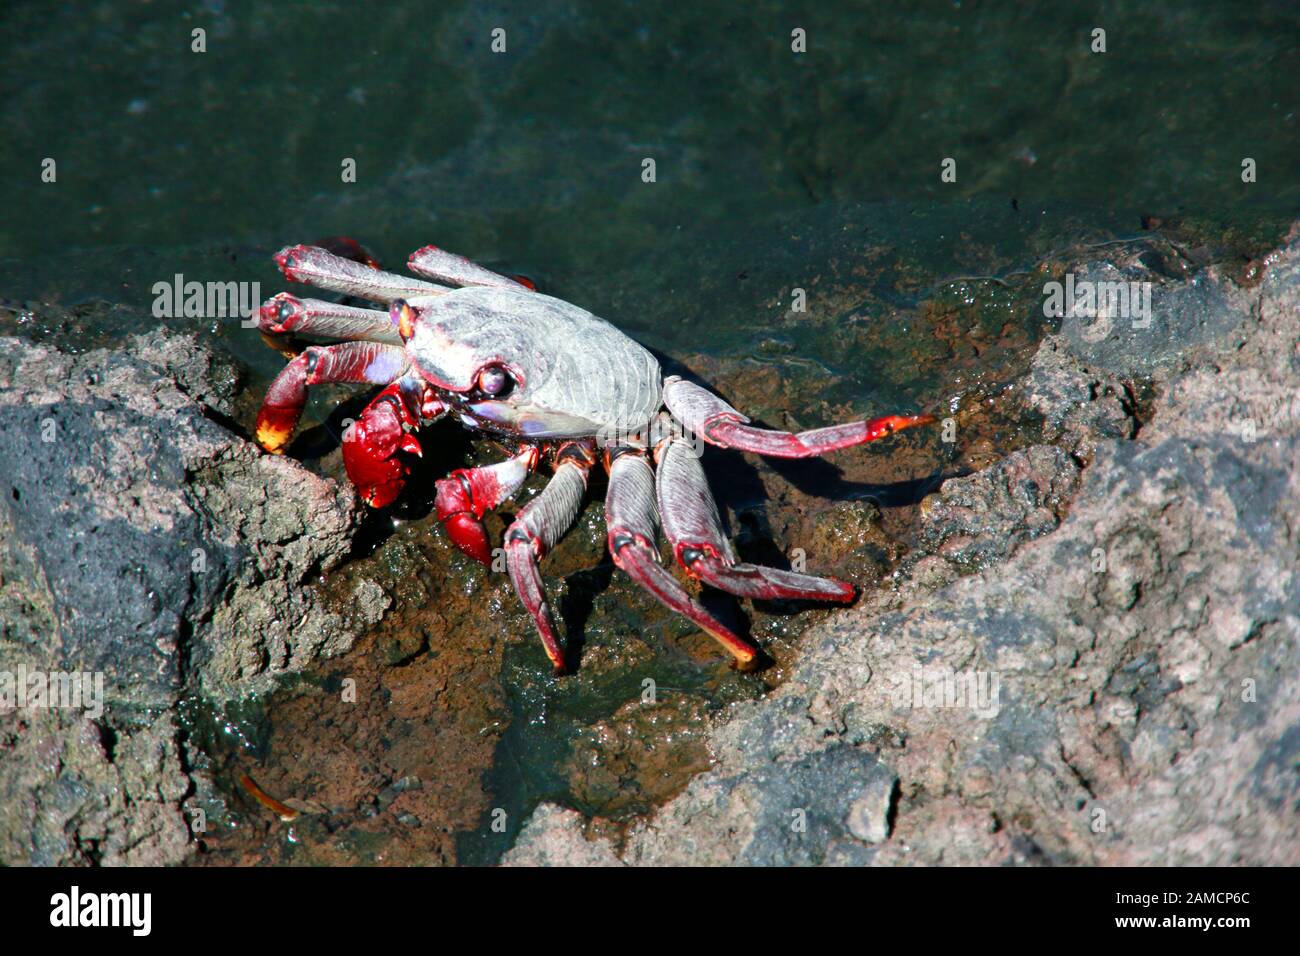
(467, 494)
(325, 270)
(371, 362)
(286, 314)
(535, 530)
(718, 423)
(693, 528)
(632, 519)
(434, 263)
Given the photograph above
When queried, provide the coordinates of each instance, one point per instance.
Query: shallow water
(774, 171)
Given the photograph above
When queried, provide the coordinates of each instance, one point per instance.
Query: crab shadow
(737, 484)
(738, 488)
(584, 587)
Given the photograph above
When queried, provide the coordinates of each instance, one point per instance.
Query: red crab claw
(467, 494)
(467, 532)
(371, 444)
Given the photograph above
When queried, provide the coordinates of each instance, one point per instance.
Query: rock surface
(143, 541)
(1118, 689)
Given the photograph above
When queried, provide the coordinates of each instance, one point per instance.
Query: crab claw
(467, 494)
(371, 445)
(469, 534)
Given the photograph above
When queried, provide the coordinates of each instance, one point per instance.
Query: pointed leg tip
(288, 258)
(272, 439)
(413, 260)
(845, 593)
(281, 313)
(892, 424)
(555, 651)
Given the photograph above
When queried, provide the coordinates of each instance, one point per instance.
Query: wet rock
(1202, 310)
(639, 757)
(984, 517)
(1080, 407)
(145, 542)
(1121, 689)
(972, 521)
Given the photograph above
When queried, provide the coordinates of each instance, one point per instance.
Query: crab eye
(494, 380)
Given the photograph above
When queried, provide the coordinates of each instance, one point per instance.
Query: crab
(548, 382)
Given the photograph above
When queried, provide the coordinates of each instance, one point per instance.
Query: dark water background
(533, 157)
(771, 166)
(775, 170)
